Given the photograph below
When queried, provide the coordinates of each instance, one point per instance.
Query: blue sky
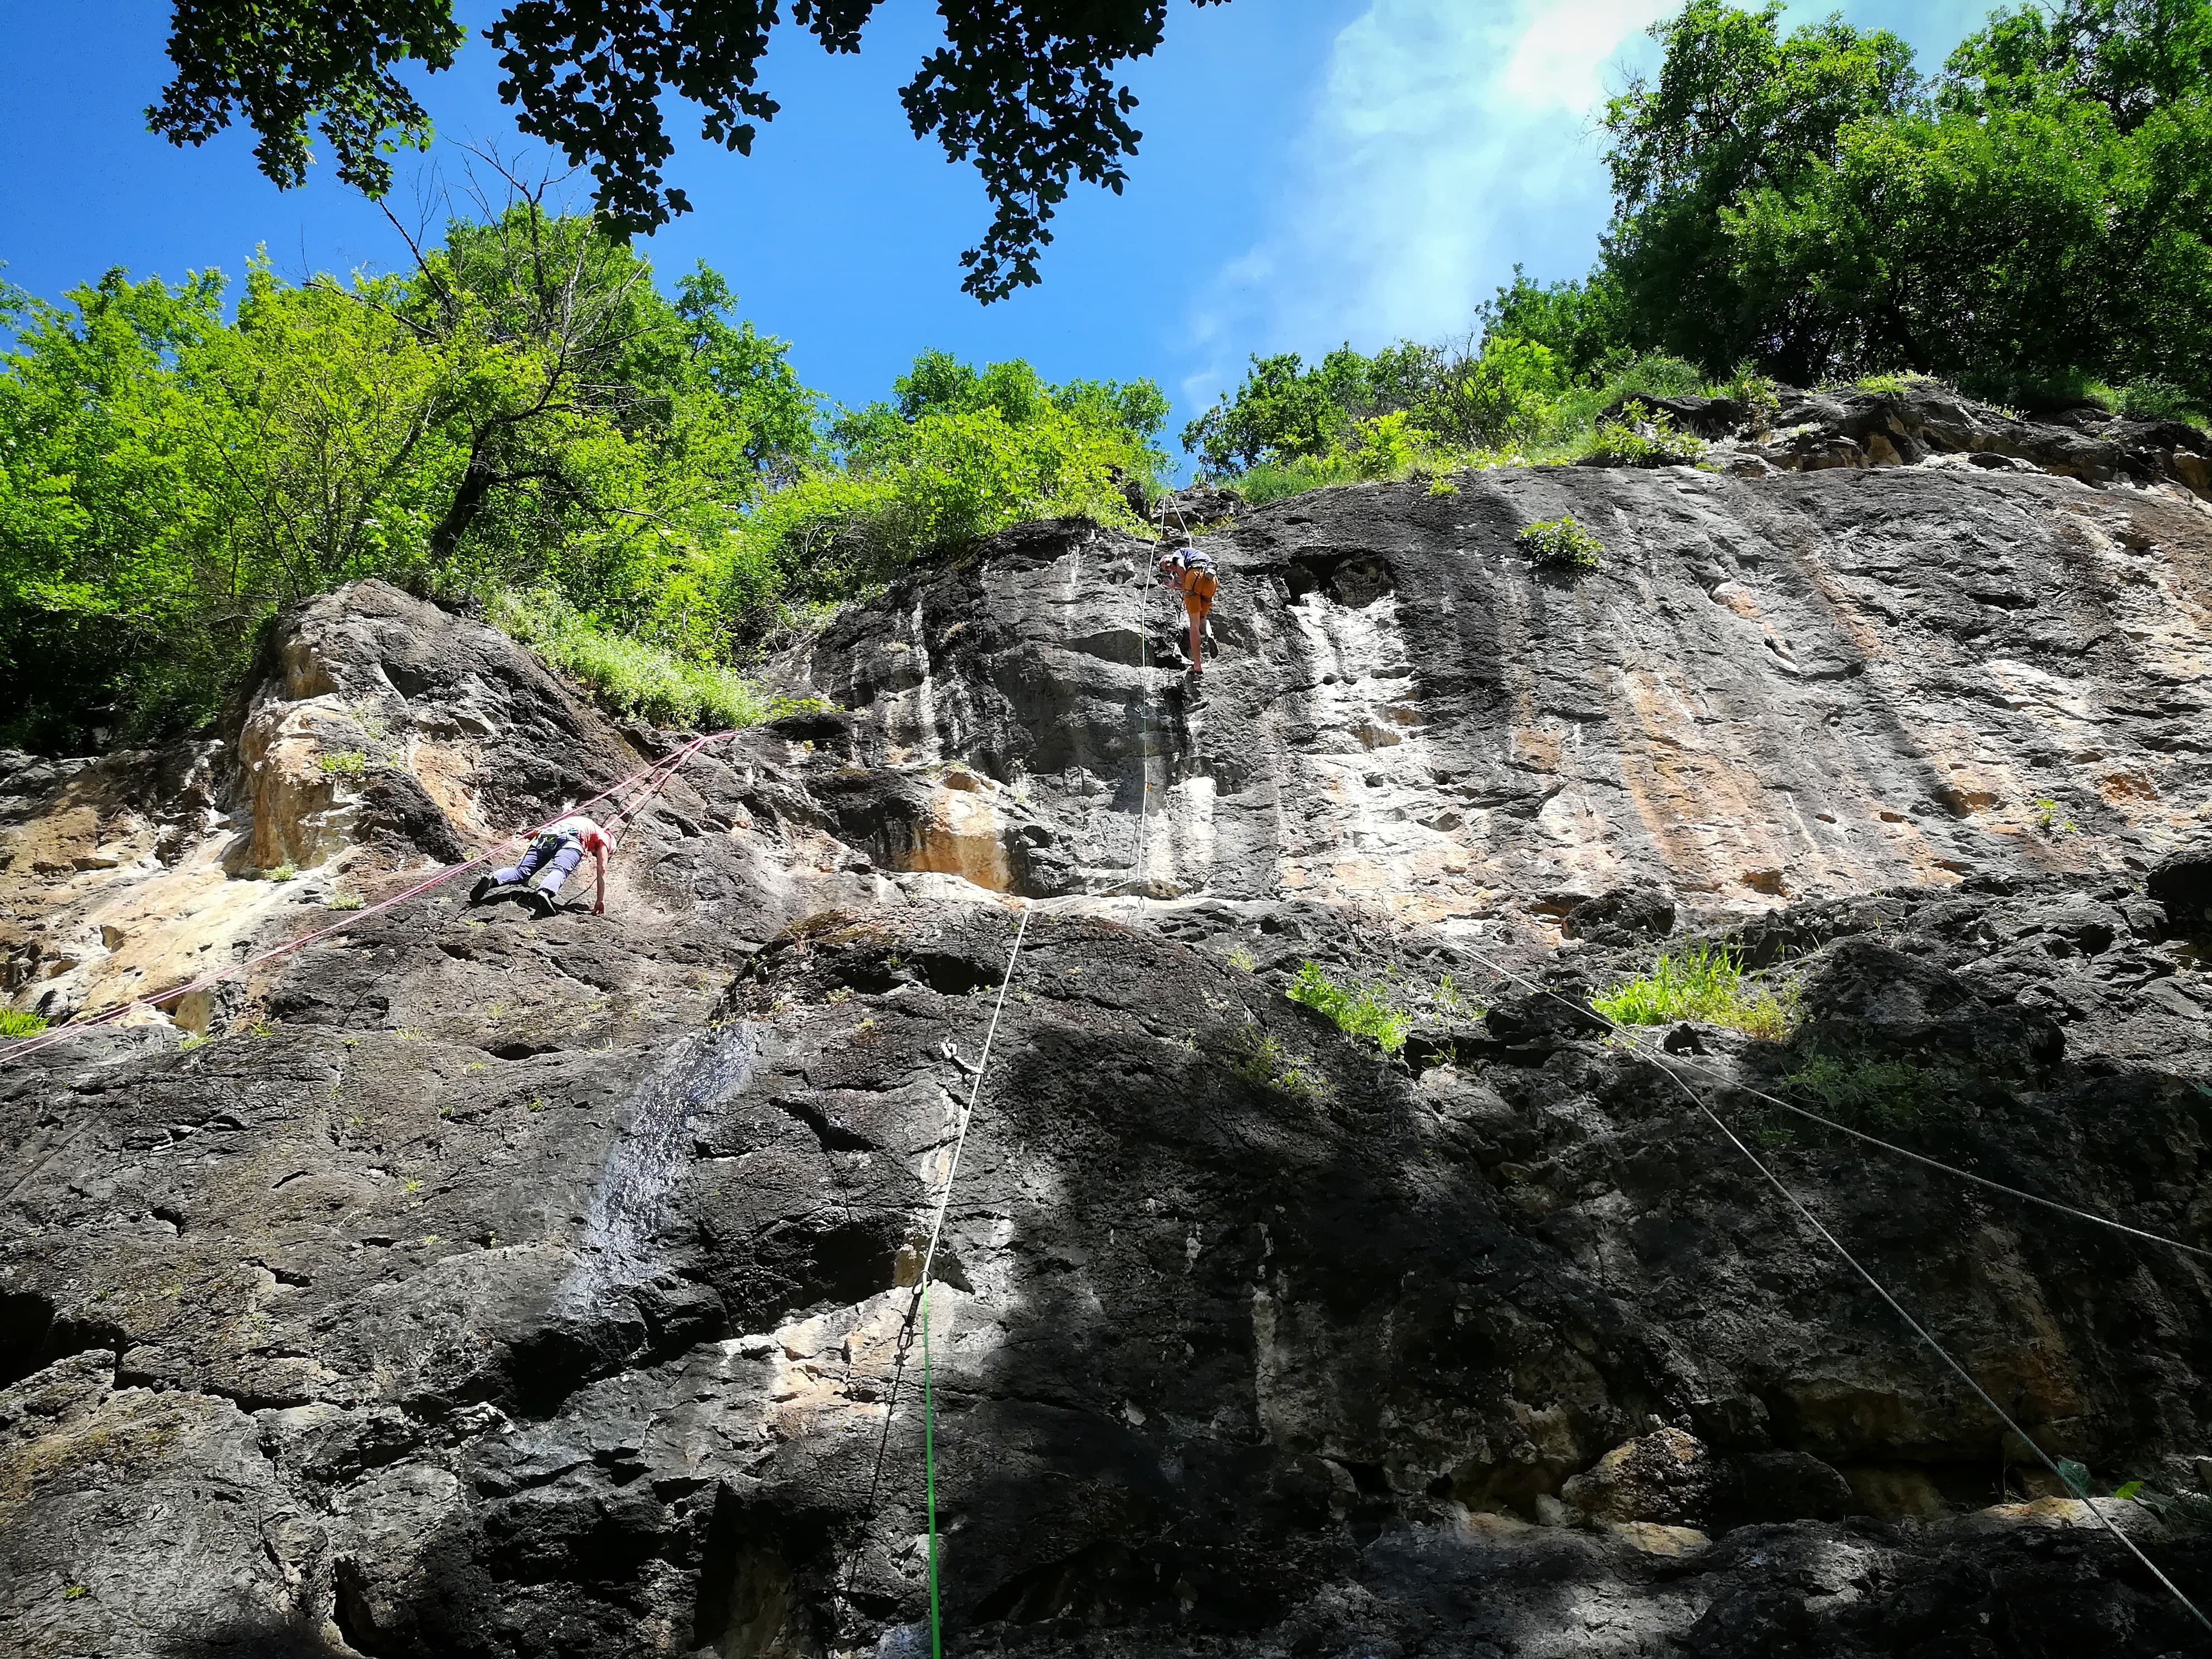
(1313, 171)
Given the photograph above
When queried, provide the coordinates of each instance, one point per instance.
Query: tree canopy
(2034, 222)
(526, 422)
(1026, 90)
(2036, 214)
(525, 407)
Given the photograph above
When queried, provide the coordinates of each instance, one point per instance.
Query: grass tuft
(1356, 1008)
(629, 674)
(21, 1022)
(1703, 982)
(1256, 1055)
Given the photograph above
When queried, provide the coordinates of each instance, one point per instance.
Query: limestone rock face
(470, 1284)
(1771, 690)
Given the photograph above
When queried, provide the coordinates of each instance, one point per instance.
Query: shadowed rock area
(466, 1283)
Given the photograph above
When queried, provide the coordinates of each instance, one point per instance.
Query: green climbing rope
(929, 1479)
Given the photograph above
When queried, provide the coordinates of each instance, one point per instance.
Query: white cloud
(1449, 139)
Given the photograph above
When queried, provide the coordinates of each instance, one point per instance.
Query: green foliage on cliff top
(2033, 223)
(526, 422)
(1810, 201)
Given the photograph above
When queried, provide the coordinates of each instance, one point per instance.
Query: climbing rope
(1941, 1352)
(918, 1308)
(1879, 1289)
(1641, 1046)
(44, 1040)
(929, 1481)
(1967, 1174)
(655, 780)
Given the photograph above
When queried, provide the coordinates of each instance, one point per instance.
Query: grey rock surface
(466, 1283)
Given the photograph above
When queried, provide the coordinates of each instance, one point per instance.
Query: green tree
(2133, 57)
(1285, 411)
(1579, 323)
(939, 384)
(1379, 412)
(2033, 220)
(1736, 107)
(524, 409)
(1503, 395)
(1026, 90)
(956, 454)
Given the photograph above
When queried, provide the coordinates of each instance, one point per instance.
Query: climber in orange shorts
(1191, 574)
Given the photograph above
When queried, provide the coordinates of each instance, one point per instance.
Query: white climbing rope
(974, 1092)
(929, 1256)
(1875, 1285)
(1941, 1352)
(1952, 1169)
(1642, 1046)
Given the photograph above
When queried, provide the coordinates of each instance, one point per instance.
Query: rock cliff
(466, 1283)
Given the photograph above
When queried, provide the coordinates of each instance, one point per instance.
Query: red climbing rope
(665, 767)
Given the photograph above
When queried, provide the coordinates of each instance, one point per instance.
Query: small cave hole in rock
(33, 1336)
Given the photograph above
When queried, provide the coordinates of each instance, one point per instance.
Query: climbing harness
(670, 762)
(918, 1308)
(1919, 1330)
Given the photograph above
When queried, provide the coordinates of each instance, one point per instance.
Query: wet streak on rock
(652, 1155)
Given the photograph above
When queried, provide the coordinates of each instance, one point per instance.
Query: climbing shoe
(540, 902)
(484, 884)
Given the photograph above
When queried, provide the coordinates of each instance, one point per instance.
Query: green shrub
(2155, 400)
(960, 456)
(2051, 819)
(350, 764)
(1387, 446)
(281, 872)
(1641, 436)
(1882, 1094)
(1561, 544)
(1756, 391)
(1357, 1008)
(627, 674)
(1701, 981)
(346, 900)
(1256, 1055)
(1504, 395)
(21, 1022)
